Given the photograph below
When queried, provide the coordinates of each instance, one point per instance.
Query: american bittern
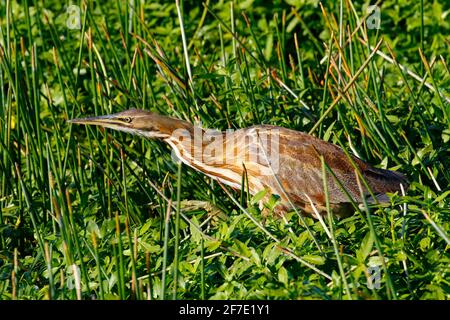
(285, 162)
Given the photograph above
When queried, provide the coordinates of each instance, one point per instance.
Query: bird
(274, 160)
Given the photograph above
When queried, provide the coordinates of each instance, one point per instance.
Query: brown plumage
(284, 161)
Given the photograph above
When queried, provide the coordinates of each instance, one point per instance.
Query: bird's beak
(104, 121)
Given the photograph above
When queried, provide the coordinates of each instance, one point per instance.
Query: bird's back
(299, 170)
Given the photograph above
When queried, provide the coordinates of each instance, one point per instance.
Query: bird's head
(146, 123)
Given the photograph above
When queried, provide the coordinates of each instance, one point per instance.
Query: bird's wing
(299, 168)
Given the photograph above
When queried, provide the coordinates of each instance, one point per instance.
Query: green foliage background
(83, 211)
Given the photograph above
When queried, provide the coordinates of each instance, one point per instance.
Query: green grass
(87, 213)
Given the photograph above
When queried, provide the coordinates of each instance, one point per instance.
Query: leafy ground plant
(92, 214)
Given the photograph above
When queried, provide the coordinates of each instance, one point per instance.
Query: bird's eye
(126, 119)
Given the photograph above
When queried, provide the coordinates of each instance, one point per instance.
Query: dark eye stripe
(126, 119)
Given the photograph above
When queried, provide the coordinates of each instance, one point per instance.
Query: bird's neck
(188, 142)
(206, 151)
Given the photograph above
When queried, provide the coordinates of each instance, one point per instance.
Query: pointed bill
(100, 120)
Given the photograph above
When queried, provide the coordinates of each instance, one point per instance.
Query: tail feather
(382, 181)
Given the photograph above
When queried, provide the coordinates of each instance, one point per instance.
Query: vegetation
(87, 213)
